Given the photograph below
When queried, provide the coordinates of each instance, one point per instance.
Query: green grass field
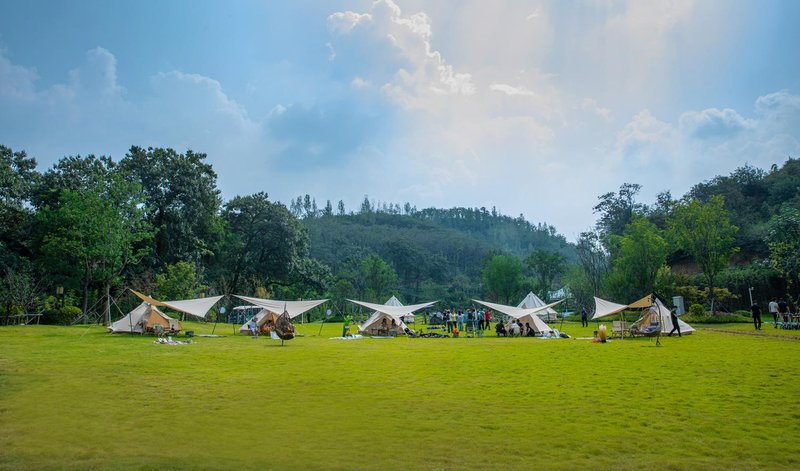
(78, 398)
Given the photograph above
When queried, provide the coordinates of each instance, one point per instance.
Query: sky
(532, 107)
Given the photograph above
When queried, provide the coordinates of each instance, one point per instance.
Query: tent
(263, 317)
(145, 316)
(387, 318)
(531, 301)
(524, 315)
(271, 309)
(657, 312)
(603, 308)
(142, 319)
(407, 318)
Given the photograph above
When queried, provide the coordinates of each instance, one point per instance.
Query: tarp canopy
(389, 313)
(531, 300)
(142, 319)
(524, 315)
(603, 308)
(294, 308)
(196, 307)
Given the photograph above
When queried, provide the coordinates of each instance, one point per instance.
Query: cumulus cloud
(713, 122)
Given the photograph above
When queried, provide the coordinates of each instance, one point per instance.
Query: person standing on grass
(584, 317)
(253, 327)
(756, 311)
(487, 318)
(675, 326)
(773, 309)
(783, 310)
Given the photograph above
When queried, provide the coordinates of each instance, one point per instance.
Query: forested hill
(431, 247)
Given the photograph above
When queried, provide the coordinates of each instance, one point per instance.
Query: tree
(179, 281)
(263, 243)
(593, 260)
(340, 208)
(617, 209)
(182, 202)
(18, 179)
(378, 279)
(502, 276)
(546, 267)
(642, 252)
(783, 240)
(704, 231)
(99, 230)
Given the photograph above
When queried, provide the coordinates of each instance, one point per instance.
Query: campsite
(80, 398)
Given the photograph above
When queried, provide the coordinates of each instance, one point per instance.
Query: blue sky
(533, 107)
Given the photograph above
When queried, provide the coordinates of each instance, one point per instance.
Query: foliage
(704, 231)
(617, 209)
(376, 280)
(642, 252)
(783, 240)
(502, 276)
(593, 261)
(182, 202)
(61, 316)
(697, 310)
(18, 179)
(179, 281)
(546, 267)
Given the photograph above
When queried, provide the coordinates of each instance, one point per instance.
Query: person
(487, 318)
(673, 316)
(252, 326)
(500, 329)
(783, 310)
(515, 329)
(393, 328)
(470, 320)
(756, 311)
(529, 332)
(773, 309)
(461, 321)
(584, 317)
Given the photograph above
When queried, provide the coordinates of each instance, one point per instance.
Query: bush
(63, 316)
(719, 319)
(697, 310)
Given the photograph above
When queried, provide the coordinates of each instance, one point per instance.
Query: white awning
(294, 308)
(394, 311)
(603, 308)
(196, 307)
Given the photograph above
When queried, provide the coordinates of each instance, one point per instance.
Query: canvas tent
(523, 315)
(657, 312)
(381, 321)
(272, 308)
(603, 308)
(407, 318)
(145, 316)
(263, 317)
(531, 301)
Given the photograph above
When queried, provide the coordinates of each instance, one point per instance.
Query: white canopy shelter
(531, 301)
(146, 315)
(196, 307)
(664, 319)
(524, 315)
(603, 308)
(294, 308)
(385, 312)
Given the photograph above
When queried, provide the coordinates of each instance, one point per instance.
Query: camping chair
(158, 330)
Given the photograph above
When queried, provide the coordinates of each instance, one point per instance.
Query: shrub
(719, 319)
(63, 316)
(697, 310)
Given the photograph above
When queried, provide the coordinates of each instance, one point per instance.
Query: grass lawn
(78, 398)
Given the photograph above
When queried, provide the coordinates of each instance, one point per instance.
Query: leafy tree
(704, 231)
(783, 240)
(182, 202)
(502, 277)
(546, 267)
(617, 209)
(18, 179)
(592, 260)
(264, 246)
(642, 252)
(179, 281)
(378, 279)
(98, 230)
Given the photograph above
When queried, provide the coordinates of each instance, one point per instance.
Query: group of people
(781, 314)
(516, 329)
(471, 320)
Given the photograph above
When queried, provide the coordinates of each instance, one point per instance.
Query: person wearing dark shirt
(756, 311)
(675, 326)
(584, 317)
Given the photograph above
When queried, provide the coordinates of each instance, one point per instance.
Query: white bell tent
(387, 318)
(523, 315)
(531, 301)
